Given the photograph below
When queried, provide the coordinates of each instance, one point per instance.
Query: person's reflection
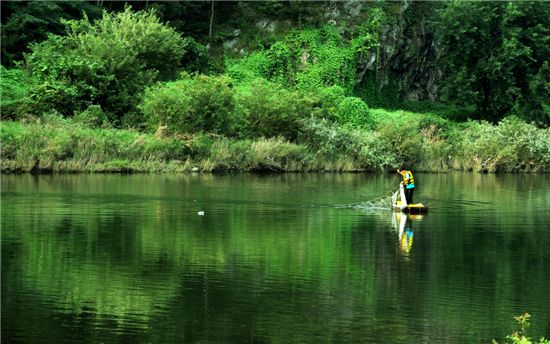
(406, 232)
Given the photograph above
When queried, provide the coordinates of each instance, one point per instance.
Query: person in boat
(408, 183)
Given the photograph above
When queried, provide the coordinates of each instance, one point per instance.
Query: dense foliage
(497, 54)
(278, 72)
(108, 62)
(190, 105)
(26, 22)
(14, 88)
(86, 144)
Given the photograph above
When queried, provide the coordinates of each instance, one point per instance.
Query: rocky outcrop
(406, 55)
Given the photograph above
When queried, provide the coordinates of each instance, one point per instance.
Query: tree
(494, 54)
(108, 62)
(25, 22)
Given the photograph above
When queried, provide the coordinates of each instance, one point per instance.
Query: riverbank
(56, 144)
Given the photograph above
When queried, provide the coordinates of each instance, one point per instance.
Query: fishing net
(384, 203)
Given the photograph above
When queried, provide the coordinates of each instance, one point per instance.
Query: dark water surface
(274, 259)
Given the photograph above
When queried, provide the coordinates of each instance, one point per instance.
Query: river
(200, 258)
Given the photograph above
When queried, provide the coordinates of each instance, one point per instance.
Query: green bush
(330, 99)
(168, 104)
(382, 117)
(11, 136)
(437, 149)
(200, 146)
(195, 57)
(308, 59)
(57, 143)
(24, 22)
(531, 145)
(512, 145)
(190, 105)
(273, 154)
(404, 139)
(107, 62)
(271, 110)
(376, 153)
(13, 91)
(520, 336)
(252, 67)
(324, 59)
(327, 138)
(447, 111)
(92, 117)
(354, 112)
(281, 62)
(369, 150)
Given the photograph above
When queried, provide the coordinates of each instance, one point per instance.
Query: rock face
(406, 56)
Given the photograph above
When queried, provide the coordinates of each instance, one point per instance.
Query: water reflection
(127, 258)
(402, 224)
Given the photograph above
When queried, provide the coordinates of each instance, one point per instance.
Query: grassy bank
(422, 142)
(65, 146)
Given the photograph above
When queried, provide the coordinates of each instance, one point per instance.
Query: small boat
(401, 204)
(415, 208)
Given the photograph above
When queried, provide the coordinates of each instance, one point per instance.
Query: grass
(422, 142)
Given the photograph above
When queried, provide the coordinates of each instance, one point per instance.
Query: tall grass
(510, 146)
(58, 144)
(422, 143)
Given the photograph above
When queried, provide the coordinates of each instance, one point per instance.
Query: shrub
(11, 136)
(354, 112)
(13, 90)
(191, 105)
(195, 56)
(92, 117)
(57, 140)
(368, 149)
(275, 154)
(200, 146)
(376, 153)
(168, 104)
(281, 62)
(513, 145)
(252, 67)
(404, 140)
(436, 150)
(307, 59)
(326, 138)
(324, 59)
(520, 336)
(531, 145)
(330, 99)
(382, 117)
(271, 110)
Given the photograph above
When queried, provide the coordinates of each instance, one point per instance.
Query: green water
(274, 259)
